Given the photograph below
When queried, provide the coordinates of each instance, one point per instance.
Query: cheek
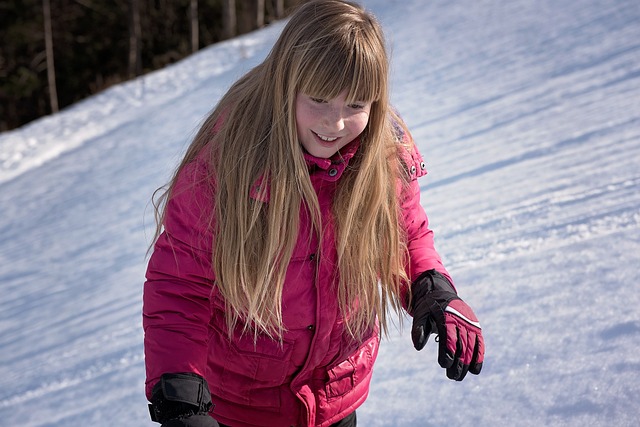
(304, 117)
(358, 123)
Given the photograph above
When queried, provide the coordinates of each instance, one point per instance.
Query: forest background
(54, 53)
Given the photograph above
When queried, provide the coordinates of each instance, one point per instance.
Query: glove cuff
(435, 284)
(179, 395)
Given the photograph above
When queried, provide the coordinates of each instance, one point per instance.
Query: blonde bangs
(350, 62)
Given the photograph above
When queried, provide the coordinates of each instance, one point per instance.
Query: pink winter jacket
(317, 375)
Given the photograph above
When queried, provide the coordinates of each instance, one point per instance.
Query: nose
(334, 119)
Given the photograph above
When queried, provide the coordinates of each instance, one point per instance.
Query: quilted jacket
(316, 375)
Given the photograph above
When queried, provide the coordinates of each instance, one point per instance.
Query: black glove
(192, 421)
(182, 400)
(436, 307)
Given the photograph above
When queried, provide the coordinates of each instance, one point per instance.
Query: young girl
(290, 230)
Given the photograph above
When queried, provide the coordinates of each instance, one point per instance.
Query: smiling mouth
(325, 138)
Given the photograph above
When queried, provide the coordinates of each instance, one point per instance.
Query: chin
(323, 154)
(319, 151)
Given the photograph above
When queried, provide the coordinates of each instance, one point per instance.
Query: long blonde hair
(326, 47)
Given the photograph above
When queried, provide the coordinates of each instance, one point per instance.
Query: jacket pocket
(249, 373)
(266, 361)
(350, 373)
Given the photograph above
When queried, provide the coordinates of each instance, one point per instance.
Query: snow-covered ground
(528, 115)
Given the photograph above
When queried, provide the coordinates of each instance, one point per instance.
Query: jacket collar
(330, 169)
(338, 160)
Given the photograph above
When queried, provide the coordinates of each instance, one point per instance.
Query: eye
(357, 106)
(317, 100)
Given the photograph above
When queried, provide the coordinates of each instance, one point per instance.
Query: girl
(290, 230)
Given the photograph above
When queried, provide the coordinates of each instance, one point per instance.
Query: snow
(528, 115)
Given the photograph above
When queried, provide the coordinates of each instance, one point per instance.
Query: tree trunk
(229, 18)
(259, 23)
(135, 39)
(279, 8)
(193, 12)
(48, 43)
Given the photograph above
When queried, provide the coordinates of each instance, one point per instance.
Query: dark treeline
(56, 52)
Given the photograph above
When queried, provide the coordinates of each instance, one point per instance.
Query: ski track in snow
(528, 116)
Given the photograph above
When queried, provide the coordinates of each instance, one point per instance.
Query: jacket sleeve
(176, 309)
(422, 253)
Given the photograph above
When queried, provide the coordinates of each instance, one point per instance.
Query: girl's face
(327, 125)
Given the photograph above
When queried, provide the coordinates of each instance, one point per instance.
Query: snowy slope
(528, 115)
